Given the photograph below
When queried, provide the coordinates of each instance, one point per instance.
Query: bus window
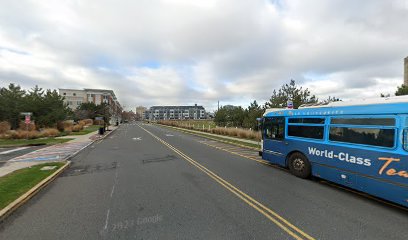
(405, 139)
(274, 128)
(365, 121)
(307, 120)
(315, 132)
(367, 136)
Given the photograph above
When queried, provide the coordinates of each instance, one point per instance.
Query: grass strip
(25, 142)
(87, 130)
(15, 184)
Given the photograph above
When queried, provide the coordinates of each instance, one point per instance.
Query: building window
(74, 94)
(64, 94)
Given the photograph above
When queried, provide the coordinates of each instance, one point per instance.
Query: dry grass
(77, 128)
(49, 132)
(24, 127)
(65, 126)
(4, 127)
(88, 122)
(68, 130)
(232, 132)
(98, 122)
(68, 124)
(7, 135)
(82, 122)
(22, 134)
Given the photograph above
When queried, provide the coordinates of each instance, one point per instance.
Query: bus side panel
(388, 191)
(385, 190)
(378, 164)
(334, 175)
(273, 158)
(275, 151)
(378, 172)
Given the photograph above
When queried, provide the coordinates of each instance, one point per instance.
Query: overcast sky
(153, 52)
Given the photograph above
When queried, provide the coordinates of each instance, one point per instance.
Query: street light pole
(106, 103)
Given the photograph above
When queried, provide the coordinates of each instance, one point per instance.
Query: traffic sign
(290, 104)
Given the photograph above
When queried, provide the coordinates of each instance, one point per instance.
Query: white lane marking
(115, 180)
(13, 150)
(169, 135)
(137, 139)
(113, 189)
(107, 219)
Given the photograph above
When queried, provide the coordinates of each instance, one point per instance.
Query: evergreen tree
(253, 112)
(403, 90)
(11, 106)
(292, 92)
(47, 107)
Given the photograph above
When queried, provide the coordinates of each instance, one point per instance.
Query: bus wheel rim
(298, 164)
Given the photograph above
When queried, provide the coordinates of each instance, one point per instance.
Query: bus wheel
(299, 165)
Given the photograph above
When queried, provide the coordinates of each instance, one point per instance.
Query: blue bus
(363, 146)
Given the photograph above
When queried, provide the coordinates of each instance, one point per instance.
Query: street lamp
(106, 103)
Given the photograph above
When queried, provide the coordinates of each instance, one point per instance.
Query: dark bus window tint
(365, 121)
(315, 132)
(367, 136)
(307, 120)
(274, 128)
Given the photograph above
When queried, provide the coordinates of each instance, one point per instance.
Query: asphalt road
(149, 182)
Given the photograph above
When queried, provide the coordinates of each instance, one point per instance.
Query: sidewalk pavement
(53, 153)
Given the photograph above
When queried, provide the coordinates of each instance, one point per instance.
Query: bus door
(274, 144)
(405, 144)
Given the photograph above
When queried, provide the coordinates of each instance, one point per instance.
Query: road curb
(5, 212)
(110, 132)
(197, 133)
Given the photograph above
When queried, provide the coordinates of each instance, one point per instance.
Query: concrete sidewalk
(79, 138)
(58, 152)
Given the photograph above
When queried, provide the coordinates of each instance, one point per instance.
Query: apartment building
(175, 112)
(75, 97)
(141, 113)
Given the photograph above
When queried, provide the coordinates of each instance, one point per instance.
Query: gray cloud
(184, 52)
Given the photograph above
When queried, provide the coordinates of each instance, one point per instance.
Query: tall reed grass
(4, 127)
(232, 132)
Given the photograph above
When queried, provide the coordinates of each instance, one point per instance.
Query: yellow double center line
(285, 225)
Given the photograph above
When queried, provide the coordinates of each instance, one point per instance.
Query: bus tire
(299, 165)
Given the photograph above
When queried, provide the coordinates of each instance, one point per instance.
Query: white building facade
(75, 97)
